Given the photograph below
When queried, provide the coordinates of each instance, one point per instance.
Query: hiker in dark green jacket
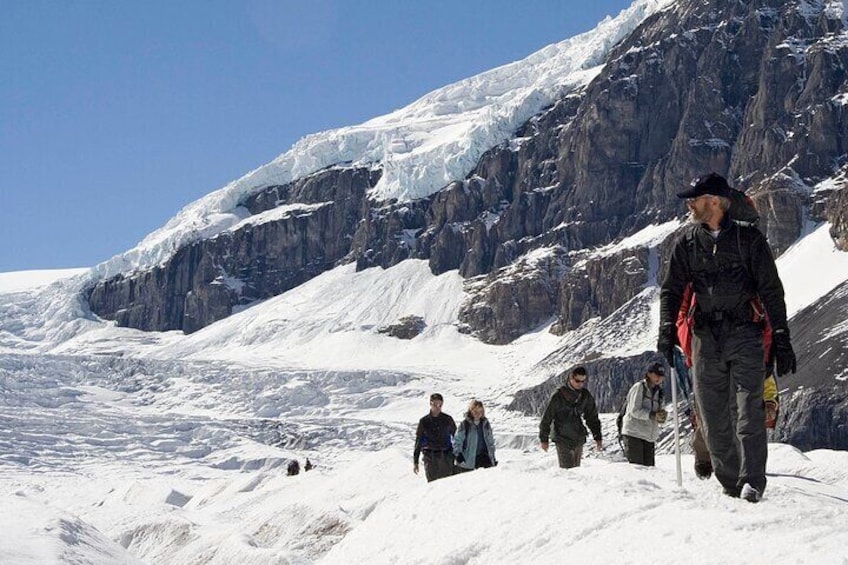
(570, 405)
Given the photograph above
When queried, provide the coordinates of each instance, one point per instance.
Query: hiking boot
(732, 492)
(751, 494)
(703, 469)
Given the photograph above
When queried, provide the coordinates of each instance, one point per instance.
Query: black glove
(782, 352)
(460, 458)
(667, 341)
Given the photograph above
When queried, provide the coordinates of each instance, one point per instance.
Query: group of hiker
(293, 468)
(722, 311)
(448, 450)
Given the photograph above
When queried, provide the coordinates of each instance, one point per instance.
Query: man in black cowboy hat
(728, 266)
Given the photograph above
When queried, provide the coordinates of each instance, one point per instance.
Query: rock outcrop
(407, 327)
(295, 232)
(815, 419)
(815, 404)
(837, 214)
(515, 299)
(600, 285)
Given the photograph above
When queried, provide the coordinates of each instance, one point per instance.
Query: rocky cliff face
(307, 228)
(755, 92)
(815, 419)
(837, 214)
(815, 406)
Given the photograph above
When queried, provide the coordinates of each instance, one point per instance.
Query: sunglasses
(576, 380)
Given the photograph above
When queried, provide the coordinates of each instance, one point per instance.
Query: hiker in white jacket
(643, 416)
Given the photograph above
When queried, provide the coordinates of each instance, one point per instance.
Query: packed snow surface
(119, 446)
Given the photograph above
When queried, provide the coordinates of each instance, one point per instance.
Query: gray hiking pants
(639, 451)
(699, 447)
(569, 457)
(437, 464)
(728, 384)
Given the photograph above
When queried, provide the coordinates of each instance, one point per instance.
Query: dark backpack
(742, 210)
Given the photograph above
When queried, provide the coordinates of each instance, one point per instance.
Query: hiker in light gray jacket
(474, 442)
(642, 417)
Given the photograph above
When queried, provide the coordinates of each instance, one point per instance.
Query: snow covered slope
(22, 281)
(158, 463)
(168, 448)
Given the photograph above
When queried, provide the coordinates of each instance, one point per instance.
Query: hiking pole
(676, 425)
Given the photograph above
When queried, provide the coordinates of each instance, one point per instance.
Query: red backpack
(686, 322)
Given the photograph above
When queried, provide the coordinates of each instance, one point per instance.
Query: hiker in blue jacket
(474, 442)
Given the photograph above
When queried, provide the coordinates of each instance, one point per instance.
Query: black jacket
(726, 273)
(434, 433)
(566, 411)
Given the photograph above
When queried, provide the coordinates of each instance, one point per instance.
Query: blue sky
(116, 114)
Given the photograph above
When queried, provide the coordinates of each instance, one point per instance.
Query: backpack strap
(619, 421)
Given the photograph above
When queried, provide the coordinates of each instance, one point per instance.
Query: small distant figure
(293, 468)
(474, 443)
(566, 411)
(308, 466)
(433, 440)
(643, 416)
